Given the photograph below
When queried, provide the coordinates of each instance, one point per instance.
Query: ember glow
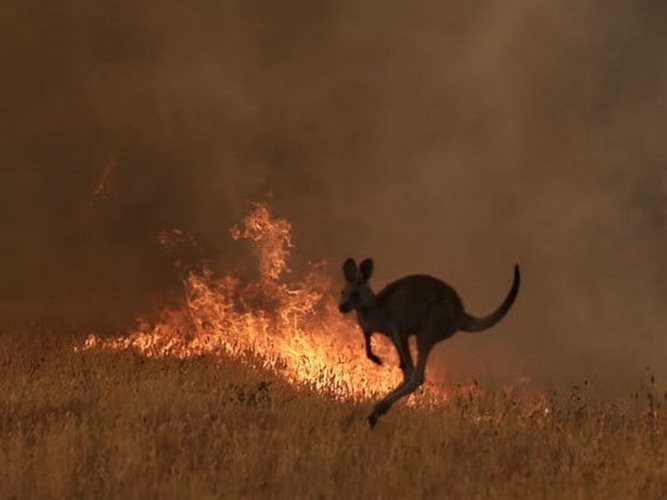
(290, 327)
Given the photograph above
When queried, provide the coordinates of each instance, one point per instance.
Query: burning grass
(260, 389)
(291, 327)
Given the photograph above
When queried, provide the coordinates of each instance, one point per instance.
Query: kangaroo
(419, 305)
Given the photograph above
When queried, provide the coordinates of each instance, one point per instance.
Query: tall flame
(292, 328)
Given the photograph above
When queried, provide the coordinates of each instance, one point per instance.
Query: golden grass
(116, 425)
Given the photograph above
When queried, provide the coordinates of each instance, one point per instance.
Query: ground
(119, 425)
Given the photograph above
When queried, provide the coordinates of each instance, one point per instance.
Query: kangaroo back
(410, 302)
(473, 324)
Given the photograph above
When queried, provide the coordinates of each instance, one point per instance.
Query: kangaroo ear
(366, 269)
(350, 269)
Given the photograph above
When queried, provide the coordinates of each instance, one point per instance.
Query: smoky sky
(447, 138)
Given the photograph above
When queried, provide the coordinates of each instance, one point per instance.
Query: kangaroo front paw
(375, 359)
(373, 419)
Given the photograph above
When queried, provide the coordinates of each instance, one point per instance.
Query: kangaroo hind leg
(425, 344)
(406, 365)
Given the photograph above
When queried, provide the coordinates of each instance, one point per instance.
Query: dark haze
(447, 138)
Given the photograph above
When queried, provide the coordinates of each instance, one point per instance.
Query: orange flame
(102, 191)
(292, 328)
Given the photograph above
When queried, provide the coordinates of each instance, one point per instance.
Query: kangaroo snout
(344, 308)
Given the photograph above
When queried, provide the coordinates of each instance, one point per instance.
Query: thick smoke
(448, 139)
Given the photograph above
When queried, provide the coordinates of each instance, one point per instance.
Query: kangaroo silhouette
(418, 305)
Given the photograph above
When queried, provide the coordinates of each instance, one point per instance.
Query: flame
(102, 191)
(290, 327)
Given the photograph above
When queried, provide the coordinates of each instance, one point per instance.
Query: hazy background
(440, 138)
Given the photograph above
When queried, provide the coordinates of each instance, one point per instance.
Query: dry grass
(105, 425)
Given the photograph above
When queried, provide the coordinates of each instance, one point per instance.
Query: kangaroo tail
(473, 324)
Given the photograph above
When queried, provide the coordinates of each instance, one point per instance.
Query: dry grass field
(261, 390)
(119, 425)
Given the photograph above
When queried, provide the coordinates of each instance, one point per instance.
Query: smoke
(449, 139)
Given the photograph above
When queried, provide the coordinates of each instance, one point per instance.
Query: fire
(102, 191)
(290, 327)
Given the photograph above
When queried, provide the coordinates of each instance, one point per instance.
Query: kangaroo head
(357, 293)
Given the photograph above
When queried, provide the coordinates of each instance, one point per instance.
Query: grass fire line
(259, 389)
(292, 328)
